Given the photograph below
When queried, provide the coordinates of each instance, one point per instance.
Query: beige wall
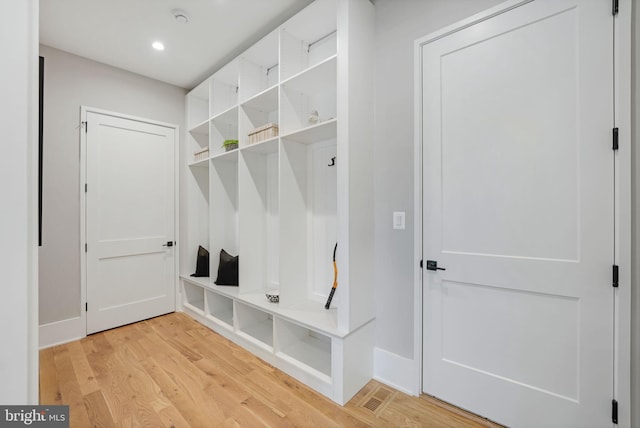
(70, 82)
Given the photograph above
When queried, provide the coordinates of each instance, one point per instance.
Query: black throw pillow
(228, 269)
(202, 263)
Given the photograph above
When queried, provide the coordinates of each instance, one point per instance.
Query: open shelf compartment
(224, 88)
(197, 227)
(309, 98)
(305, 347)
(258, 112)
(224, 212)
(193, 297)
(197, 121)
(255, 325)
(223, 127)
(308, 206)
(259, 233)
(199, 135)
(219, 309)
(259, 67)
(198, 105)
(308, 38)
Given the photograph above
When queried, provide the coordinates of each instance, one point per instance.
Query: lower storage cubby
(219, 309)
(304, 347)
(255, 325)
(193, 297)
(297, 340)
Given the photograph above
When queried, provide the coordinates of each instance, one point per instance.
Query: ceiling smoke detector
(180, 16)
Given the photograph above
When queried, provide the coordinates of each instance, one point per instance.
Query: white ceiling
(120, 32)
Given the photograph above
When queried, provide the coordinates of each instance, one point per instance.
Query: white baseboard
(396, 371)
(59, 332)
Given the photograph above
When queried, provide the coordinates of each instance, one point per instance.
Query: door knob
(433, 265)
(168, 244)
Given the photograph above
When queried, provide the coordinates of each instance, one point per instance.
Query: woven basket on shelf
(201, 155)
(270, 130)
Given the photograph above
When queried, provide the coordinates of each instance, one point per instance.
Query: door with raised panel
(130, 204)
(518, 199)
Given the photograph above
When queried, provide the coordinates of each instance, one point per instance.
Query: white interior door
(129, 220)
(518, 208)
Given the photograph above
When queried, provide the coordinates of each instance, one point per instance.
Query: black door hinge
(86, 307)
(84, 123)
(615, 139)
(615, 276)
(421, 264)
(614, 411)
(614, 7)
(85, 247)
(85, 187)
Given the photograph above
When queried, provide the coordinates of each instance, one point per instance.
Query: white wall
(398, 24)
(18, 180)
(72, 81)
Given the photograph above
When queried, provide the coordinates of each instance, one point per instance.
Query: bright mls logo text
(27, 417)
(44, 416)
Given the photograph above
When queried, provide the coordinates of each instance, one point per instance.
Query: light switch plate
(398, 220)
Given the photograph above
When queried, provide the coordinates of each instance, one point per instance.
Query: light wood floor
(171, 371)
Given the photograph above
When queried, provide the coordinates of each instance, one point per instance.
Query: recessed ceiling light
(158, 46)
(180, 16)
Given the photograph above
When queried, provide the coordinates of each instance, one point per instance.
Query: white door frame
(83, 200)
(622, 299)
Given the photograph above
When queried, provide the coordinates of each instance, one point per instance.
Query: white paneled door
(130, 252)
(518, 195)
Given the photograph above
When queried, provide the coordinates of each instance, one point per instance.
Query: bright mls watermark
(34, 416)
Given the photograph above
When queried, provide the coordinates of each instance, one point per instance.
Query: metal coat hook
(333, 161)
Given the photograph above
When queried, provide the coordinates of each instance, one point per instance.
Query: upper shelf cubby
(224, 88)
(259, 67)
(309, 97)
(200, 134)
(259, 111)
(223, 127)
(308, 38)
(198, 105)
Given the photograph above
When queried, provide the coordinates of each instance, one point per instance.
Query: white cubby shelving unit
(283, 203)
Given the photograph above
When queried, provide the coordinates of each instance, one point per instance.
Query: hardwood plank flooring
(171, 371)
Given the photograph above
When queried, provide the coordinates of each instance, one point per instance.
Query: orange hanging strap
(335, 278)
